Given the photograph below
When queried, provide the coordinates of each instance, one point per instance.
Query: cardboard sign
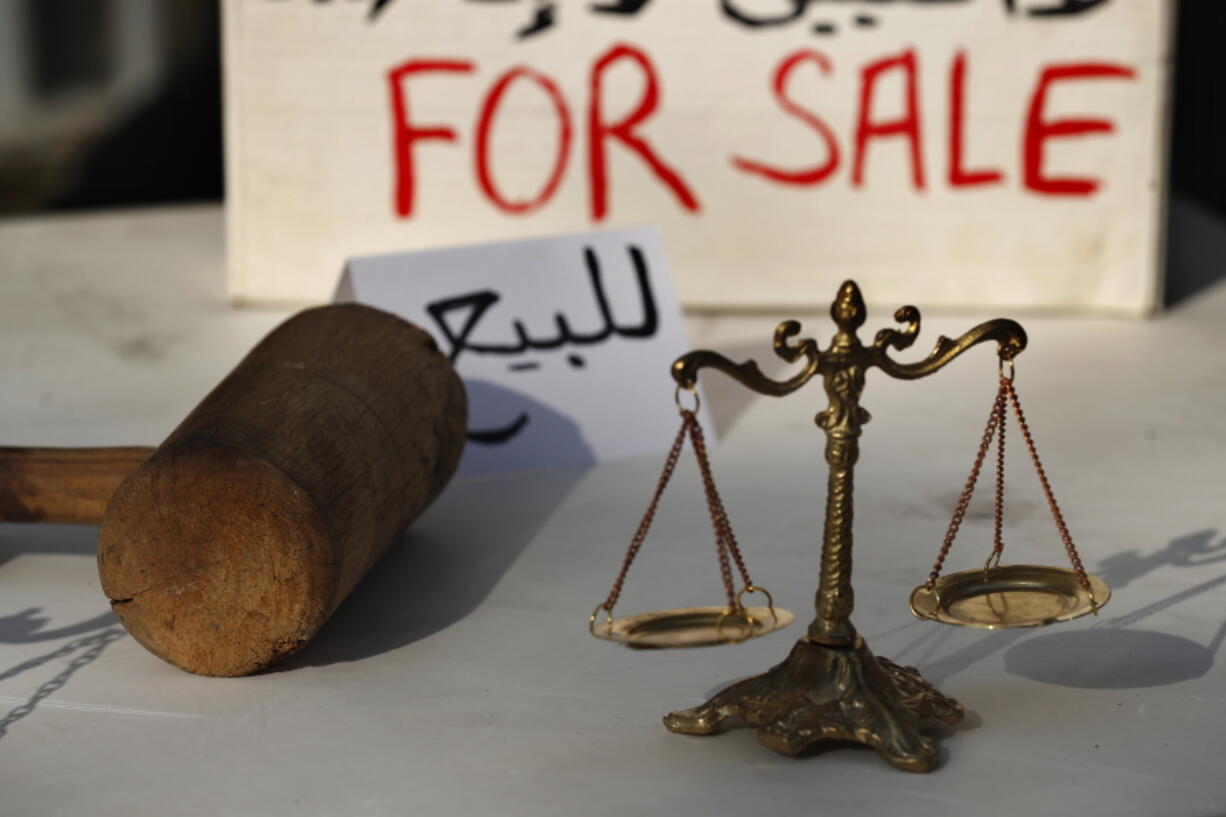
(945, 152)
(564, 344)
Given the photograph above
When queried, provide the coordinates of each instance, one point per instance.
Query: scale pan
(693, 627)
(1010, 596)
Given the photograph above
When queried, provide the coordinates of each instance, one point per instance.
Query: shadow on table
(442, 568)
(30, 625)
(86, 652)
(1106, 658)
(505, 425)
(1113, 655)
(1110, 654)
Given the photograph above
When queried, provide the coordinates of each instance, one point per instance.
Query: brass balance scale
(831, 687)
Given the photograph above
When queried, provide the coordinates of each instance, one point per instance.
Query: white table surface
(459, 678)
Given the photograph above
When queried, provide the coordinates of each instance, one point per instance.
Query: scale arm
(1009, 337)
(685, 368)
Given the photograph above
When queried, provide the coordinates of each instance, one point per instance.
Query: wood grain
(230, 546)
(66, 485)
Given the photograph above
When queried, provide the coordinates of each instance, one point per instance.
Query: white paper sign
(564, 344)
(987, 153)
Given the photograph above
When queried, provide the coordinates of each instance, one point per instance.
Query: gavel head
(231, 545)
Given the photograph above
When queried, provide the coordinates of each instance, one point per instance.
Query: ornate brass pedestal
(832, 693)
(832, 686)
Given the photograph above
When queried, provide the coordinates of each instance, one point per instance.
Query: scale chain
(994, 420)
(1065, 536)
(725, 540)
(670, 463)
(998, 541)
(1006, 396)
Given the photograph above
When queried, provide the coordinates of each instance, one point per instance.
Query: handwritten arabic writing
(458, 318)
(794, 10)
(544, 13)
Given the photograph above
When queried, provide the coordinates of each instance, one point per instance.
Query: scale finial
(848, 310)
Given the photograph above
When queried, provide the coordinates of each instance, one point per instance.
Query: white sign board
(564, 344)
(946, 152)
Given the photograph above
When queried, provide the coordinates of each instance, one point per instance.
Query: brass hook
(608, 622)
(1000, 368)
(770, 600)
(692, 389)
(751, 624)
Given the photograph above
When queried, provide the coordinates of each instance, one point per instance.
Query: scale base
(832, 693)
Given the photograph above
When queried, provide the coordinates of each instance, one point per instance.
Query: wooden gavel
(226, 548)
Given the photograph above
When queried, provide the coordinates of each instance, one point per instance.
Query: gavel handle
(70, 486)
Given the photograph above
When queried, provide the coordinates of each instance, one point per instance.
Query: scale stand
(831, 687)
